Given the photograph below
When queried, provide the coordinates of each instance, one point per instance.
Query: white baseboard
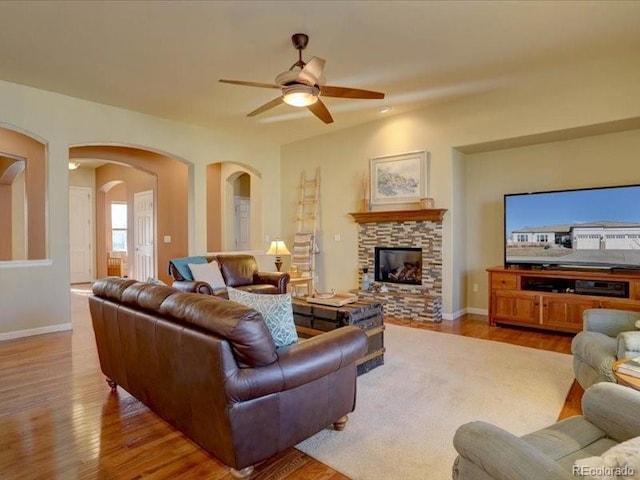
(478, 311)
(61, 327)
(464, 311)
(454, 315)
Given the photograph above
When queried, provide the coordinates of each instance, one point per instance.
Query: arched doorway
(132, 174)
(234, 208)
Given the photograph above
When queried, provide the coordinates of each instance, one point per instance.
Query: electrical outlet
(337, 237)
(167, 239)
(475, 287)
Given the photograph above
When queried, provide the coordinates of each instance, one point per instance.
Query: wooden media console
(555, 299)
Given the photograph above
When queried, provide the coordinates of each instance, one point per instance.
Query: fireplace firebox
(398, 265)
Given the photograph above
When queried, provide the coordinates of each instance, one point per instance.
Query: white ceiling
(164, 57)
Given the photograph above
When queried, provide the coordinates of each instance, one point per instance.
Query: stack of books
(630, 367)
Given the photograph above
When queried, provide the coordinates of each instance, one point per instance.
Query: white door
(81, 234)
(242, 230)
(143, 235)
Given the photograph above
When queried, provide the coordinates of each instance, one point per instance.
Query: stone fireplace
(408, 231)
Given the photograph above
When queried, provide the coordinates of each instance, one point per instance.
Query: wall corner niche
(23, 198)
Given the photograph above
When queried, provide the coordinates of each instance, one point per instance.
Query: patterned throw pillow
(276, 311)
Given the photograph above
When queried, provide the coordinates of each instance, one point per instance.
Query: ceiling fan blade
(250, 84)
(267, 106)
(345, 92)
(312, 71)
(320, 110)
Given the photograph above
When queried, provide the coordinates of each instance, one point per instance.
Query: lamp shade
(278, 248)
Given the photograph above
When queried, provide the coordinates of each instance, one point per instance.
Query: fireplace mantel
(379, 216)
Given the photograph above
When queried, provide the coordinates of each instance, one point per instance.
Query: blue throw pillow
(182, 265)
(276, 311)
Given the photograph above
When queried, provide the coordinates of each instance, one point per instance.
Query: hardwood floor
(59, 419)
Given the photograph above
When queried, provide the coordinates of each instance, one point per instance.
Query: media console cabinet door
(565, 312)
(515, 306)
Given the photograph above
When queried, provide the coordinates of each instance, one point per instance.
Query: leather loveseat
(209, 367)
(238, 271)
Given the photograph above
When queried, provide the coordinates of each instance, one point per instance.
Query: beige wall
(591, 91)
(65, 122)
(214, 207)
(83, 177)
(596, 161)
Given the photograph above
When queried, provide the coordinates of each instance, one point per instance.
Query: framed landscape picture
(399, 178)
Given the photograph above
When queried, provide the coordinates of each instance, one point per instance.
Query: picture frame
(399, 178)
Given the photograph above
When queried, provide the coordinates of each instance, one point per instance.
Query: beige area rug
(408, 409)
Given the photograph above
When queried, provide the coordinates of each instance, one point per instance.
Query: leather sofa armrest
(277, 279)
(503, 456)
(321, 355)
(629, 344)
(609, 321)
(299, 364)
(193, 287)
(614, 409)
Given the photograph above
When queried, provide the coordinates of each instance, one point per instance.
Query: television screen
(596, 227)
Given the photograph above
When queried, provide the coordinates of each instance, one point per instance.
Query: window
(543, 238)
(119, 227)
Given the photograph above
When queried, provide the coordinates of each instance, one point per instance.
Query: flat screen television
(585, 228)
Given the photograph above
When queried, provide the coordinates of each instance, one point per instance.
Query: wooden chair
(115, 266)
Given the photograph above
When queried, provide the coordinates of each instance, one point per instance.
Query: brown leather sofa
(209, 367)
(239, 271)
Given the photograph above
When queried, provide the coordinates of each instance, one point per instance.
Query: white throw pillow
(209, 273)
(620, 462)
(276, 311)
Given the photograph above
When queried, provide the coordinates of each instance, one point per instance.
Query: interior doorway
(81, 234)
(143, 235)
(242, 227)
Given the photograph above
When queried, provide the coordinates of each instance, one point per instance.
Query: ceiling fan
(303, 84)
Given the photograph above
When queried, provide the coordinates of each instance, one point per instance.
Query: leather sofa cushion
(238, 270)
(146, 295)
(111, 288)
(243, 327)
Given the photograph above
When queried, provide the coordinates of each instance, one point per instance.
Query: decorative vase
(365, 280)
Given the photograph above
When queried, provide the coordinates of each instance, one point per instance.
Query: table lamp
(278, 248)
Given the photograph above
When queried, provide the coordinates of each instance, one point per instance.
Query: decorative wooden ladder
(305, 247)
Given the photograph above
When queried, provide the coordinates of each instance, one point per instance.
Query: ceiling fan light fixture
(300, 95)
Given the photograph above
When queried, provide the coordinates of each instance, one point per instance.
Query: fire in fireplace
(398, 265)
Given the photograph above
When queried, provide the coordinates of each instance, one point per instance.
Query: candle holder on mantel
(427, 203)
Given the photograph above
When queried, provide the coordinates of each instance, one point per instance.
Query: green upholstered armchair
(610, 416)
(608, 335)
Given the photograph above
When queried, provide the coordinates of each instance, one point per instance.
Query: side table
(297, 282)
(624, 379)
